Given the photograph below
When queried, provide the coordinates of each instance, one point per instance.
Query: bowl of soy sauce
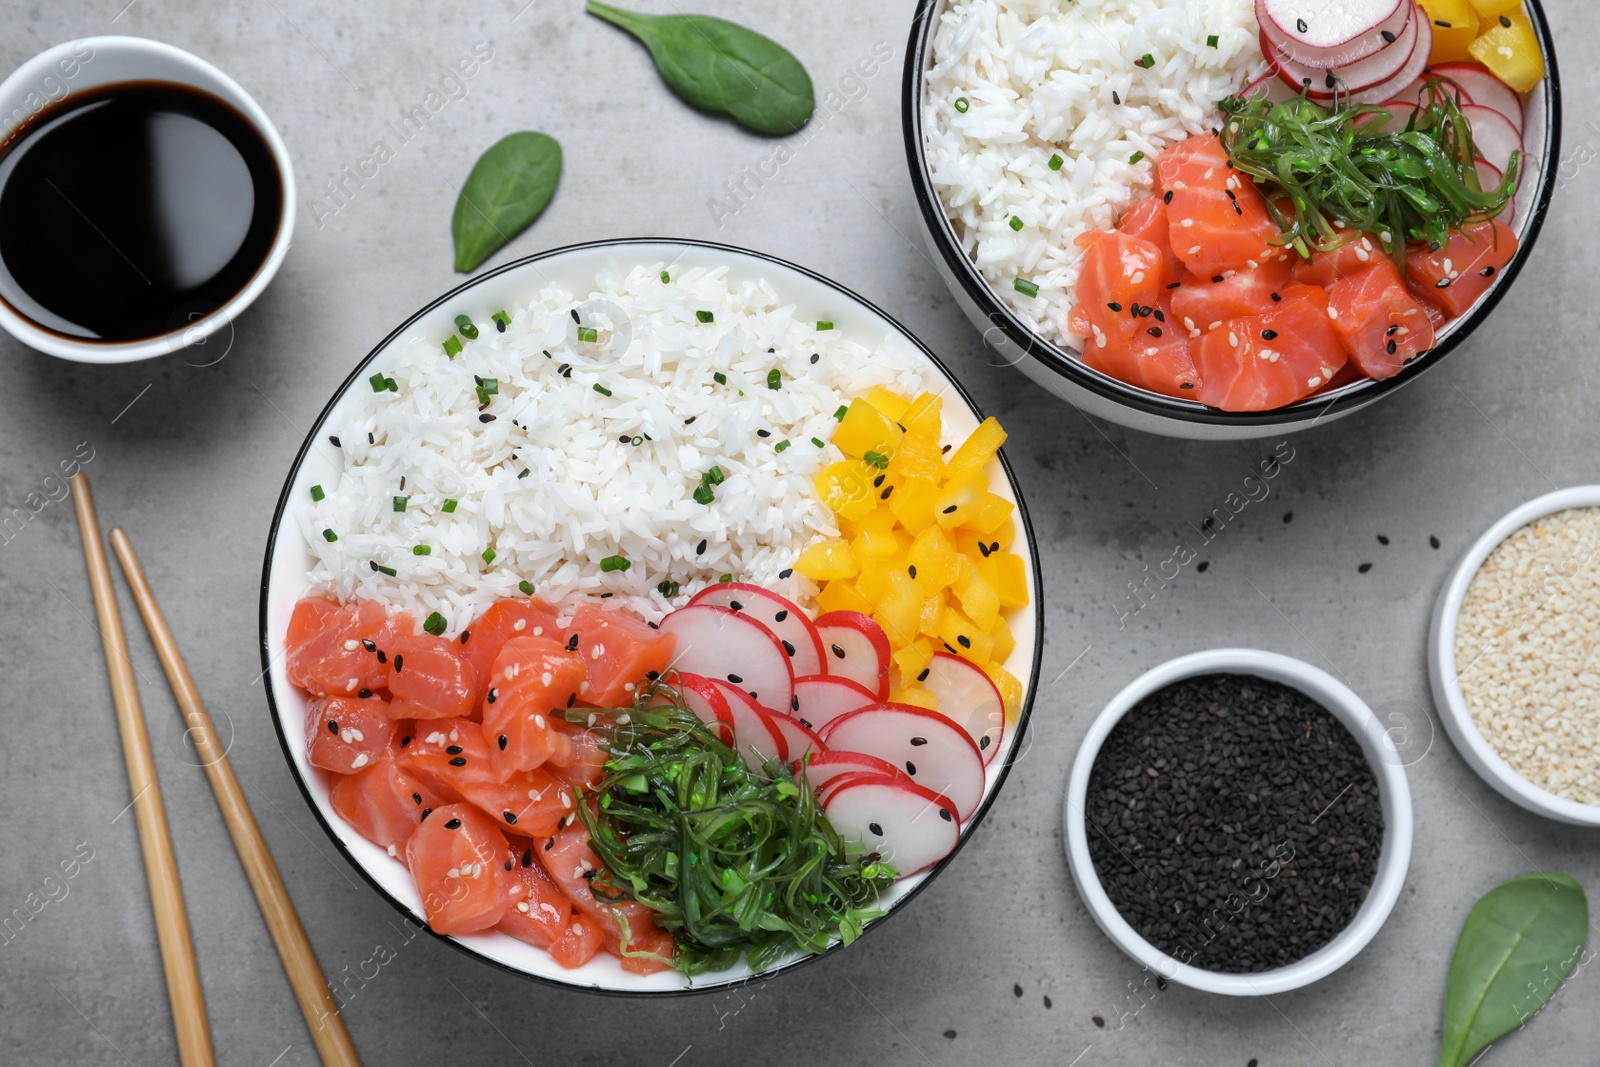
(145, 200)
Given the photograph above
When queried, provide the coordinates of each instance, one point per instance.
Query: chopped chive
(1025, 287)
(818, 442)
(390, 571)
(962, 104)
(329, 535)
(703, 494)
(615, 563)
(400, 503)
(780, 446)
(491, 386)
(1147, 61)
(726, 578)
(452, 346)
(719, 378)
(523, 473)
(449, 506)
(526, 587)
(468, 330)
(704, 316)
(1056, 161)
(501, 320)
(824, 324)
(588, 334)
(435, 624)
(841, 413)
(392, 385)
(876, 459)
(421, 550)
(714, 476)
(488, 555)
(1211, 41)
(602, 390)
(774, 379)
(665, 277)
(379, 383)
(317, 493)
(1135, 158)
(1016, 223)
(668, 589)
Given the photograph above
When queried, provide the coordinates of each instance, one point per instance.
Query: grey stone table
(998, 961)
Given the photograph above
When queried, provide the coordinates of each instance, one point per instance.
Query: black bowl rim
(1062, 364)
(1023, 715)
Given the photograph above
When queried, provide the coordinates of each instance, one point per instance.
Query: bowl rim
(1445, 680)
(1016, 749)
(1394, 796)
(1060, 362)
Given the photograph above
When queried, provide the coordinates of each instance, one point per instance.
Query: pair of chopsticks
(161, 868)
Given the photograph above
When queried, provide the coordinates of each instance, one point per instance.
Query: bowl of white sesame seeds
(1514, 656)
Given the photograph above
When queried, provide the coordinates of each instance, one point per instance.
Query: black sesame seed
(1277, 298)
(572, 699)
(1390, 347)
(1388, 37)
(399, 661)
(964, 641)
(453, 824)
(1115, 99)
(512, 819)
(1269, 335)
(911, 768)
(794, 703)
(454, 750)
(364, 694)
(333, 726)
(735, 679)
(885, 494)
(369, 645)
(734, 605)
(334, 440)
(923, 677)
(1300, 24)
(763, 433)
(944, 813)
(459, 761)
(550, 844)
(983, 742)
(1218, 279)
(1487, 272)
(1433, 542)
(1154, 331)
(425, 813)
(1506, 22)
(404, 741)
(787, 647)
(875, 828)
(815, 356)
(701, 547)
(838, 652)
(1167, 197)
(502, 742)
(416, 798)
(1203, 566)
(493, 695)
(371, 440)
(786, 572)
(466, 635)
(1114, 306)
(877, 483)
(1383, 539)
(527, 857)
(1364, 568)
(572, 643)
(780, 616)
(918, 742)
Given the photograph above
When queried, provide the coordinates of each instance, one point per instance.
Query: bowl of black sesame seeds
(1238, 821)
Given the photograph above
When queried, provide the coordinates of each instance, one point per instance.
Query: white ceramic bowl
(1393, 793)
(74, 66)
(288, 561)
(1060, 369)
(1444, 673)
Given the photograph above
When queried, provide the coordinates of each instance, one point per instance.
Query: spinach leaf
(1519, 942)
(723, 68)
(509, 186)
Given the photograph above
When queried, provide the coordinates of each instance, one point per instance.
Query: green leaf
(509, 186)
(1519, 942)
(721, 67)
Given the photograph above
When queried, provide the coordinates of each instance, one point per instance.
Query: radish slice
(1494, 135)
(791, 626)
(1362, 74)
(854, 647)
(1407, 74)
(909, 827)
(1271, 86)
(1325, 24)
(934, 751)
(821, 699)
(832, 764)
(755, 729)
(1489, 177)
(968, 698)
(1340, 55)
(797, 739)
(1480, 87)
(717, 643)
(701, 696)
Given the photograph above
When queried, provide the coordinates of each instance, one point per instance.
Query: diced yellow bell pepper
(912, 660)
(924, 416)
(932, 616)
(1492, 9)
(916, 696)
(912, 503)
(1004, 644)
(977, 597)
(1010, 689)
(969, 541)
(879, 520)
(967, 638)
(842, 595)
(934, 558)
(992, 510)
(843, 489)
(976, 450)
(875, 578)
(899, 609)
(880, 543)
(960, 499)
(1455, 26)
(918, 455)
(893, 405)
(867, 432)
(827, 560)
(1006, 572)
(1510, 50)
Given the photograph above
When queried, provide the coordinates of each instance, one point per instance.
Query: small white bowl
(1442, 672)
(1393, 793)
(75, 66)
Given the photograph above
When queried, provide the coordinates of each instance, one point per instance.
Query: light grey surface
(194, 466)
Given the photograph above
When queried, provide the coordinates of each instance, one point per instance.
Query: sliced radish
(1323, 82)
(701, 696)
(910, 828)
(1494, 135)
(791, 626)
(717, 643)
(1395, 86)
(968, 698)
(1358, 47)
(1489, 177)
(934, 751)
(1270, 85)
(854, 647)
(833, 764)
(1324, 24)
(1480, 87)
(820, 699)
(756, 733)
(798, 739)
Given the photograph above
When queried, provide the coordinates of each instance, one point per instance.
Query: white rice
(587, 494)
(1038, 76)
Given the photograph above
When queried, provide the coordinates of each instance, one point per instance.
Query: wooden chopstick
(294, 948)
(160, 865)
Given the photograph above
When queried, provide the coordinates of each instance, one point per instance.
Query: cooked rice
(1039, 78)
(587, 495)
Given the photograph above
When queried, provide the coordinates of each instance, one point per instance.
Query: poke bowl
(1043, 143)
(639, 493)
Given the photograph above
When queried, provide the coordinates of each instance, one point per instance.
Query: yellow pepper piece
(893, 405)
(1006, 572)
(977, 597)
(879, 520)
(1455, 26)
(960, 499)
(932, 615)
(865, 432)
(1489, 10)
(1511, 52)
(880, 543)
(912, 660)
(842, 595)
(923, 416)
(976, 450)
(998, 540)
(1004, 644)
(934, 557)
(827, 560)
(912, 503)
(845, 491)
(1010, 689)
(918, 455)
(916, 696)
(899, 609)
(874, 578)
(992, 510)
(967, 638)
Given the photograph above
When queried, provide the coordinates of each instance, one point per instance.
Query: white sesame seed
(546, 678)
(522, 906)
(1195, 251)
(360, 761)
(453, 872)
(1363, 255)
(393, 852)
(1333, 312)
(1313, 382)
(1138, 277)
(455, 735)
(345, 736)
(520, 625)
(1233, 339)
(1186, 223)
(352, 685)
(538, 631)
(538, 720)
(351, 645)
(566, 800)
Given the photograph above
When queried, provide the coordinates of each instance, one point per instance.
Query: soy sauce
(133, 210)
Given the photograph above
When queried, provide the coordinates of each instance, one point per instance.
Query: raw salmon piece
(532, 682)
(1159, 357)
(503, 620)
(1454, 276)
(428, 679)
(1217, 218)
(1265, 361)
(1324, 268)
(326, 647)
(1120, 274)
(1381, 323)
(1200, 303)
(383, 802)
(1147, 220)
(621, 655)
(544, 912)
(345, 734)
